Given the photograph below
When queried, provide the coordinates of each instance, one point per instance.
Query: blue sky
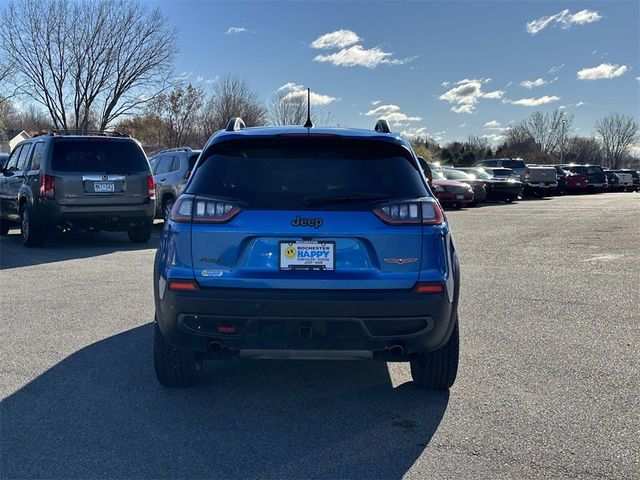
(411, 57)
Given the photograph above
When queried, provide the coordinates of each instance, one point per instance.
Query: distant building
(11, 138)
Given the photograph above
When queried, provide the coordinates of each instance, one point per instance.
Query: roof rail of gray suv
(105, 133)
(177, 149)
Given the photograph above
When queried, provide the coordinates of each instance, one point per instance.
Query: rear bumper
(313, 323)
(116, 217)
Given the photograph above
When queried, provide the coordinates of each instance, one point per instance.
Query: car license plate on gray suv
(104, 187)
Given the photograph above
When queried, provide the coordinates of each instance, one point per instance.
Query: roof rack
(382, 126)
(176, 149)
(104, 133)
(235, 124)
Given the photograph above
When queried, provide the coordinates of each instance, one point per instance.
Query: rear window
(514, 164)
(456, 175)
(286, 174)
(100, 156)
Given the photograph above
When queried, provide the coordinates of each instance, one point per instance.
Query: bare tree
(178, 113)
(583, 150)
(291, 109)
(548, 129)
(87, 59)
(618, 133)
(232, 97)
(287, 110)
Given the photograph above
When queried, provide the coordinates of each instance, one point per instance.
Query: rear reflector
(227, 329)
(182, 286)
(430, 288)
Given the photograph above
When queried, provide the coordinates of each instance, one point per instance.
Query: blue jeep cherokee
(293, 242)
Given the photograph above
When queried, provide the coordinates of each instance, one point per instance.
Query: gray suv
(100, 182)
(171, 170)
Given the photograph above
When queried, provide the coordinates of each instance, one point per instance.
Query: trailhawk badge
(401, 261)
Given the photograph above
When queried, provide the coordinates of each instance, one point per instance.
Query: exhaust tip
(396, 349)
(215, 347)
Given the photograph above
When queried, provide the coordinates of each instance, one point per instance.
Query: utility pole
(564, 123)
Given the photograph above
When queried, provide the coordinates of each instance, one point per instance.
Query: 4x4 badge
(401, 261)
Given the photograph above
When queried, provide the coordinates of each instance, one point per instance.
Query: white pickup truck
(536, 179)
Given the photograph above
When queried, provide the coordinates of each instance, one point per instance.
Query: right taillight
(48, 187)
(201, 210)
(151, 187)
(423, 212)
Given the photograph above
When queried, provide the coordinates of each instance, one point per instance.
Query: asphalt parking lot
(548, 384)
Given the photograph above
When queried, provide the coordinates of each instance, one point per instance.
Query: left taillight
(151, 187)
(48, 187)
(200, 210)
(422, 212)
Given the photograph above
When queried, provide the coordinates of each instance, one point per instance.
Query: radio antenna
(308, 123)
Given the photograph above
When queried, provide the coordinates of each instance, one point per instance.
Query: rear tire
(167, 206)
(175, 368)
(437, 370)
(140, 234)
(30, 230)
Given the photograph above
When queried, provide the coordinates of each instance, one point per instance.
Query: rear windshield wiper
(343, 199)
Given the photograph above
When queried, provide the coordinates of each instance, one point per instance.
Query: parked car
(502, 188)
(323, 246)
(450, 193)
(171, 170)
(561, 178)
(576, 183)
(536, 179)
(635, 186)
(596, 178)
(98, 182)
(613, 181)
(623, 180)
(478, 186)
(3, 159)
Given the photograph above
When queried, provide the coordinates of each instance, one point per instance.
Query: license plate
(459, 197)
(104, 187)
(578, 184)
(307, 255)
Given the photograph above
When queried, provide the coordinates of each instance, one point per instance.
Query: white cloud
(414, 132)
(538, 82)
(356, 55)
(534, 102)
(467, 93)
(462, 125)
(580, 104)
(376, 102)
(604, 70)
(492, 124)
(565, 19)
(391, 113)
(497, 94)
(638, 78)
(294, 91)
(184, 76)
(199, 78)
(445, 84)
(236, 30)
(338, 39)
(509, 84)
(556, 69)
(493, 137)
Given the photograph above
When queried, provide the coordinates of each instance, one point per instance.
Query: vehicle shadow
(100, 414)
(60, 246)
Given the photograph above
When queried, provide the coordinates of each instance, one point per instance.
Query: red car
(451, 192)
(576, 182)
